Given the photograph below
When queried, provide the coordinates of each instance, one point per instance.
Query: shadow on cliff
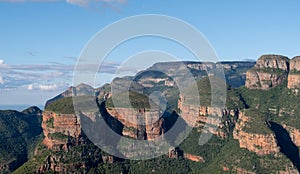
(174, 126)
(287, 146)
(103, 129)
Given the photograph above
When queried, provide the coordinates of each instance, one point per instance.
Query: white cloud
(1, 79)
(30, 87)
(1, 62)
(82, 3)
(48, 87)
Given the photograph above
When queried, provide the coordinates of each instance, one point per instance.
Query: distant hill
(19, 132)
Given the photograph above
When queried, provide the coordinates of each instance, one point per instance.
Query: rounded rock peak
(273, 61)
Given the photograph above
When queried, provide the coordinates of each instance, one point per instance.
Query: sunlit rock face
(269, 71)
(294, 75)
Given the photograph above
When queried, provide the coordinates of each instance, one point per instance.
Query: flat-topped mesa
(294, 75)
(269, 71)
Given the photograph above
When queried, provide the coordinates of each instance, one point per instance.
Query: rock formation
(294, 134)
(61, 126)
(294, 75)
(198, 116)
(194, 158)
(269, 71)
(273, 70)
(262, 144)
(136, 120)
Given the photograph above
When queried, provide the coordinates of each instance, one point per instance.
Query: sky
(41, 40)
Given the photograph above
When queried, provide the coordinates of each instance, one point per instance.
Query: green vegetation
(66, 105)
(50, 122)
(271, 70)
(58, 136)
(18, 135)
(294, 71)
(279, 104)
(137, 101)
(257, 123)
(233, 157)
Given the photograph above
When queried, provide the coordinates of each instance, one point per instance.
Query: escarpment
(241, 139)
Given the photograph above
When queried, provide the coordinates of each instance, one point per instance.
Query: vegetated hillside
(19, 132)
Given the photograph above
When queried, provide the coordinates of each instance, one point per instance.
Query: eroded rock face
(273, 61)
(198, 116)
(294, 75)
(269, 71)
(194, 158)
(53, 164)
(66, 124)
(264, 80)
(295, 64)
(272, 70)
(136, 121)
(262, 144)
(294, 134)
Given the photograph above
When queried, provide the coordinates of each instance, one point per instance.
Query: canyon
(253, 131)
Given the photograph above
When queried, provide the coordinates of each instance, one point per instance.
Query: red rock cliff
(65, 124)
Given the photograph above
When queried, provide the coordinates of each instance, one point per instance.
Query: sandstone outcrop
(273, 70)
(199, 116)
(294, 134)
(194, 158)
(59, 124)
(261, 144)
(136, 120)
(269, 71)
(294, 75)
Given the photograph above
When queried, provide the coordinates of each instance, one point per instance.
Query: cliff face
(294, 134)
(273, 61)
(294, 75)
(136, 121)
(269, 71)
(272, 70)
(58, 127)
(198, 116)
(262, 144)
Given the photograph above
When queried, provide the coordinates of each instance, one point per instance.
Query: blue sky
(40, 40)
